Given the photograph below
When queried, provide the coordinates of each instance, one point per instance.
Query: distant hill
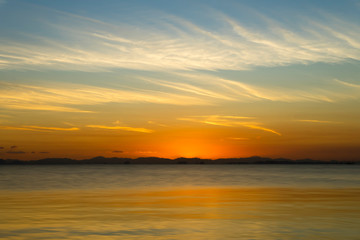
(156, 160)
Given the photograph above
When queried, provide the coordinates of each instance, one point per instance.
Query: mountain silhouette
(157, 160)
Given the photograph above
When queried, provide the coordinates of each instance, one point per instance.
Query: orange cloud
(53, 128)
(124, 128)
(38, 128)
(229, 121)
(262, 128)
(317, 121)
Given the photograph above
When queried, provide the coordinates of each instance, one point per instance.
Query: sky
(209, 79)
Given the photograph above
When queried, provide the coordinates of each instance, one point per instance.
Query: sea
(180, 202)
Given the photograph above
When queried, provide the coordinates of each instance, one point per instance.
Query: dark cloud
(1, 147)
(116, 151)
(32, 152)
(12, 147)
(15, 152)
(43, 152)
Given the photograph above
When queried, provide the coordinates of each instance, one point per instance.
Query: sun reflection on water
(181, 213)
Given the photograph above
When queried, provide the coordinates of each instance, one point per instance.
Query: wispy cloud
(229, 121)
(122, 128)
(38, 128)
(221, 89)
(176, 43)
(187, 89)
(67, 98)
(53, 128)
(18, 128)
(257, 126)
(217, 120)
(284, 94)
(317, 121)
(239, 139)
(352, 85)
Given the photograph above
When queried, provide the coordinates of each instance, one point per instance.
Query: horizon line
(178, 160)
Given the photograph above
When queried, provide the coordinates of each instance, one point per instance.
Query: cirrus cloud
(122, 128)
(175, 43)
(230, 121)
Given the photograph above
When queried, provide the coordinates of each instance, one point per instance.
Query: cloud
(15, 152)
(347, 84)
(13, 147)
(52, 128)
(116, 151)
(174, 43)
(40, 107)
(38, 128)
(44, 152)
(183, 89)
(317, 121)
(239, 139)
(253, 92)
(216, 89)
(217, 120)
(64, 97)
(123, 128)
(17, 128)
(1, 147)
(229, 121)
(256, 126)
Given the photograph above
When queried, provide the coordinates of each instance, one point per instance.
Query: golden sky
(179, 79)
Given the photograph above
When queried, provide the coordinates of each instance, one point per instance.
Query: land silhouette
(157, 160)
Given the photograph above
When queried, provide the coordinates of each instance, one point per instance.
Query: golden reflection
(176, 213)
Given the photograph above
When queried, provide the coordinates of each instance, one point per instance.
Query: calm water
(180, 202)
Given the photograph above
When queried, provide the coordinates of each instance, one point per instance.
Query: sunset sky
(161, 78)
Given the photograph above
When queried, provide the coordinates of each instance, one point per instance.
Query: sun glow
(195, 147)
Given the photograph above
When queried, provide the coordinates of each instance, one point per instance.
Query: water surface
(180, 202)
